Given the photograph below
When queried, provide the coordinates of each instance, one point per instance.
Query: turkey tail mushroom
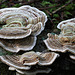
(36, 29)
(13, 62)
(33, 58)
(20, 26)
(28, 59)
(15, 45)
(61, 24)
(24, 16)
(47, 58)
(53, 43)
(65, 41)
(14, 33)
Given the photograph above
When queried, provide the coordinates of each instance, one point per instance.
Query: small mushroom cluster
(19, 28)
(26, 60)
(65, 41)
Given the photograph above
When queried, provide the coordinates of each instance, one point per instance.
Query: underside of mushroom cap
(15, 45)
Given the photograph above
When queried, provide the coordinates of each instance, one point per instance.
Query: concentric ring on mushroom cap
(34, 13)
(36, 29)
(64, 22)
(65, 41)
(53, 44)
(14, 33)
(24, 16)
(29, 59)
(47, 58)
(13, 61)
(15, 45)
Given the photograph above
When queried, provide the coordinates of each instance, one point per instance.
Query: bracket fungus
(13, 45)
(24, 61)
(65, 41)
(24, 16)
(20, 26)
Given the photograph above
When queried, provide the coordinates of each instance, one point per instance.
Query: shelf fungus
(28, 59)
(15, 45)
(20, 26)
(65, 41)
(21, 22)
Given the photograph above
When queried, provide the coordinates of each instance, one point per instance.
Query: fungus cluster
(65, 41)
(26, 60)
(19, 28)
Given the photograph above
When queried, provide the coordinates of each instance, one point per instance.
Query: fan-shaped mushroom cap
(32, 58)
(67, 30)
(63, 23)
(26, 16)
(33, 14)
(15, 45)
(65, 41)
(29, 58)
(13, 62)
(47, 58)
(36, 29)
(14, 33)
(53, 43)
